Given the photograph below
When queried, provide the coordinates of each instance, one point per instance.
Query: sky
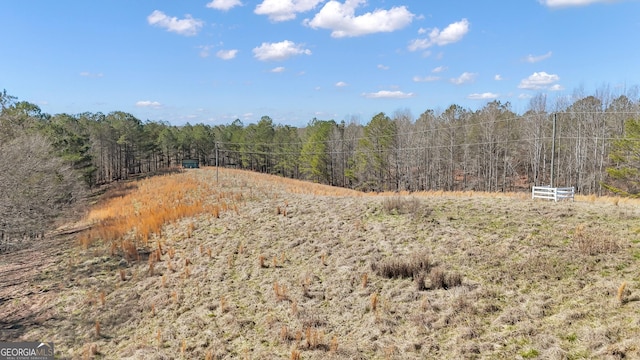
(215, 61)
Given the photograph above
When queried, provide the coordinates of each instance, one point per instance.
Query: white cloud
(283, 10)
(425, 79)
(483, 96)
(524, 96)
(148, 103)
(498, 77)
(556, 87)
(466, 77)
(91, 75)
(341, 84)
(383, 67)
(568, 3)
(385, 94)
(538, 80)
(227, 54)
(439, 69)
(341, 19)
(187, 26)
(452, 33)
(279, 51)
(536, 58)
(278, 69)
(224, 5)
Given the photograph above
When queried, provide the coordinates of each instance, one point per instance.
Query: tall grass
(140, 214)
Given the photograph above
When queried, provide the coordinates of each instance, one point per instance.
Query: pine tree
(625, 176)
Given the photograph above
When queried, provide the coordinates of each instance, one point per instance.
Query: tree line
(491, 149)
(46, 161)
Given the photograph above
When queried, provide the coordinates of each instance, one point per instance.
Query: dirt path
(30, 278)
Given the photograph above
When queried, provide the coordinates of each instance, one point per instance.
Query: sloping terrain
(278, 269)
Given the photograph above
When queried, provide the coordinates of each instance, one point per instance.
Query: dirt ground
(28, 288)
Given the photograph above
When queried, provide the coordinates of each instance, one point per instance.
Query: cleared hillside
(268, 268)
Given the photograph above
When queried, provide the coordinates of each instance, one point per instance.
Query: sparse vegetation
(594, 241)
(477, 275)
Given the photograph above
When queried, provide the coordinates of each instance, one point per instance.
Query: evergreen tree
(626, 154)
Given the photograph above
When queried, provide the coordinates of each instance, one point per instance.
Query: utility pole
(553, 150)
(216, 146)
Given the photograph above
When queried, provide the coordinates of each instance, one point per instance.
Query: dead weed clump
(420, 268)
(440, 279)
(402, 267)
(280, 292)
(622, 296)
(592, 242)
(401, 205)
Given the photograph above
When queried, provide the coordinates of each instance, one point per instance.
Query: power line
(437, 125)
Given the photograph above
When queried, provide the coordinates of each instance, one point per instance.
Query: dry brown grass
(457, 275)
(333, 346)
(295, 354)
(405, 266)
(374, 302)
(142, 212)
(280, 291)
(401, 204)
(621, 292)
(365, 280)
(594, 241)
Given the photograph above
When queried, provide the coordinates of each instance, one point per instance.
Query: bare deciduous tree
(35, 188)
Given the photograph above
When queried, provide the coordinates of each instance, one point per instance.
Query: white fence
(550, 193)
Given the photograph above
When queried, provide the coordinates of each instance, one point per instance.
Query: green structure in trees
(190, 163)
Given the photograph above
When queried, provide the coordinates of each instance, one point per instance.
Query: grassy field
(258, 267)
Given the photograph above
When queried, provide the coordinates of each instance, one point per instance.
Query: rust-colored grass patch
(139, 214)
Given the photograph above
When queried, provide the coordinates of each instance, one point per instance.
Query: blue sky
(214, 61)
